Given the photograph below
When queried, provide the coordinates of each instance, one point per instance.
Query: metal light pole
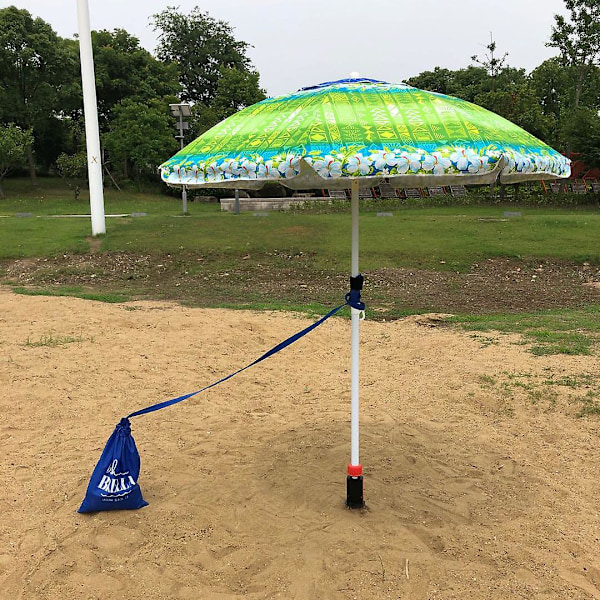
(90, 109)
(180, 111)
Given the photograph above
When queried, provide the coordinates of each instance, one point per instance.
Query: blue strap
(272, 351)
(353, 299)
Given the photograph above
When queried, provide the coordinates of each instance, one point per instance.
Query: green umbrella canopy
(321, 136)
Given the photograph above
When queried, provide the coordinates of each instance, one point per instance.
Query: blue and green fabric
(320, 136)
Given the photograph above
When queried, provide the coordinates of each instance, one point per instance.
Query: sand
(480, 479)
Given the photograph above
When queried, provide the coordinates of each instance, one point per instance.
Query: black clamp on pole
(353, 296)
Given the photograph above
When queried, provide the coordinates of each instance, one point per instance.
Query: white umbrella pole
(355, 366)
(90, 108)
(354, 497)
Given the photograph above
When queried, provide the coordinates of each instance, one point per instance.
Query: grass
(573, 381)
(560, 342)
(52, 197)
(53, 341)
(541, 392)
(437, 237)
(487, 380)
(590, 405)
(485, 341)
(561, 331)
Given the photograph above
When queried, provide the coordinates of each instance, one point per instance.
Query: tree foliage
(507, 92)
(73, 169)
(200, 46)
(581, 131)
(520, 106)
(551, 83)
(465, 83)
(141, 134)
(32, 67)
(578, 40)
(34, 64)
(214, 71)
(491, 62)
(14, 143)
(236, 90)
(123, 70)
(545, 102)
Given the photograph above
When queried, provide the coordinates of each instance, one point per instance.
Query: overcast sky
(297, 43)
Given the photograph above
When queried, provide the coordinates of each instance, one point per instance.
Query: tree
(513, 97)
(508, 92)
(123, 70)
(578, 40)
(236, 90)
(203, 118)
(552, 85)
(463, 83)
(203, 49)
(141, 134)
(470, 82)
(581, 132)
(490, 62)
(439, 80)
(14, 143)
(126, 74)
(73, 169)
(33, 65)
(520, 106)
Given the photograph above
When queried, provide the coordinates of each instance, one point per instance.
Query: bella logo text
(116, 483)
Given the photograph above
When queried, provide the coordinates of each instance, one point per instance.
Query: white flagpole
(90, 108)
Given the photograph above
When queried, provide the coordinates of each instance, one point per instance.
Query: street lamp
(180, 112)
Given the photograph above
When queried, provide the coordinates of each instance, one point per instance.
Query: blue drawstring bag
(114, 482)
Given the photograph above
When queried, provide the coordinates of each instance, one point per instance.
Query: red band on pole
(355, 470)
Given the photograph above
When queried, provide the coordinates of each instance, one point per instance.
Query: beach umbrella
(356, 133)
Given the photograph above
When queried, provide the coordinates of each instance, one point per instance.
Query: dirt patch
(479, 476)
(494, 285)
(95, 243)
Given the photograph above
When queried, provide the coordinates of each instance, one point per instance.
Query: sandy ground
(480, 479)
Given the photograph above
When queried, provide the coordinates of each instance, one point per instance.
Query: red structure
(581, 171)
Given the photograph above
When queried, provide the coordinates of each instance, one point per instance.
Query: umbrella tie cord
(351, 300)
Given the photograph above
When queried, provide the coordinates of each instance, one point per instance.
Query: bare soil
(490, 286)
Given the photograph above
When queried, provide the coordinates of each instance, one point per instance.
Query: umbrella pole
(354, 480)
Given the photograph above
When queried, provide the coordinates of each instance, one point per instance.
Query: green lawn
(450, 238)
